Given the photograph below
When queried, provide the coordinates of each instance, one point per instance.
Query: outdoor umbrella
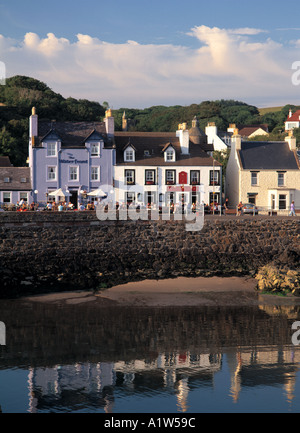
(60, 193)
(97, 193)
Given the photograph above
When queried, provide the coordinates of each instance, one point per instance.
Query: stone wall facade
(50, 251)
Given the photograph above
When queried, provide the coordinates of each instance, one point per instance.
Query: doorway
(74, 198)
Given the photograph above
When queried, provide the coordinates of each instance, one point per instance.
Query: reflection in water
(117, 359)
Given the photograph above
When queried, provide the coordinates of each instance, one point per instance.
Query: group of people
(63, 206)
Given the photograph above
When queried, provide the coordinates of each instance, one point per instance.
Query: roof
(245, 131)
(15, 175)
(269, 155)
(295, 117)
(5, 161)
(72, 134)
(155, 143)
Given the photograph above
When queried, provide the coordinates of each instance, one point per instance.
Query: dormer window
(51, 149)
(129, 155)
(95, 149)
(170, 154)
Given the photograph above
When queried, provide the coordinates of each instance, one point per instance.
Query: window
(129, 155)
(149, 177)
(95, 149)
(281, 179)
(129, 177)
(254, 178)
(214, 177)
(195, 177)
(73, 173)
(6, 197)
(130, 197)
(170, 155)
(6, 179)
(214, 197)
(51, 173)
(51, 149)
(252, 198)
(24, 196)
(95, 173)
(23, 180)
(170, 177)
(282, 201)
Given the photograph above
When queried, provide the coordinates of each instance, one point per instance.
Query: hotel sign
(73, 161)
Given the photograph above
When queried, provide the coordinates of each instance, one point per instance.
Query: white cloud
(229, 63)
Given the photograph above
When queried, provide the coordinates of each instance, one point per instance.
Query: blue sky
(138, 54)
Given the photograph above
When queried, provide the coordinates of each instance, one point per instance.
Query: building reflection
(97, 385)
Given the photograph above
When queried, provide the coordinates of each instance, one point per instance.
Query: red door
(183, 178)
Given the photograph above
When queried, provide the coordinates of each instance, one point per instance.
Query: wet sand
(185, 292)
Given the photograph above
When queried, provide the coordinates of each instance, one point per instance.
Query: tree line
(21, 93)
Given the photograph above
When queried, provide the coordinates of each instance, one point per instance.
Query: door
(74, 198)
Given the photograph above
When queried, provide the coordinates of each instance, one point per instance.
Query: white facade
(161, 191)
(211, 131)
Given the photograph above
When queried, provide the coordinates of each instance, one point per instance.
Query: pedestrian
(240, 208)
(292, 209)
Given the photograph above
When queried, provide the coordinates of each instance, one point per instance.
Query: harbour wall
(52, 251)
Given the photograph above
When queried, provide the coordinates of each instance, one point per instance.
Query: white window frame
(71, 167)
(23, 198)
(97, 169)
(254, 176)
(50, 152)
(281, 179)
(96, 146)
(169, 155)
(129, 155)
(52, 179)
(10, 197)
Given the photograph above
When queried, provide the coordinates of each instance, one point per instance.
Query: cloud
(227, 64)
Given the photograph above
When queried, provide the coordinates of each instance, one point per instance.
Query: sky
(137, 54)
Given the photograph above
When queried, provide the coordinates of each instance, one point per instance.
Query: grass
(263, 111)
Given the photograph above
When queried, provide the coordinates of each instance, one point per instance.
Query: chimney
(33, 127)
(291, 140)
(236, 140)
(290, 113)
(184, 138)
(109, 123)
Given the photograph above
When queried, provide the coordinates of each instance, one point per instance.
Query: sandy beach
(188, 292)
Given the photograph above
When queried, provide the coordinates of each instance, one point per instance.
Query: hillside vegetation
(21, 93)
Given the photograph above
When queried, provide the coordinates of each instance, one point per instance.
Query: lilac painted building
(77, 157)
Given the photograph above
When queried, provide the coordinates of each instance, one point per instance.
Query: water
(142, 360)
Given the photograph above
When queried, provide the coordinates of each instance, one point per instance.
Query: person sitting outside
(60, 207)
(49, 206)
(81, 207)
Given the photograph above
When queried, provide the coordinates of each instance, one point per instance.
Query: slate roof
(15, 174)
(269, 155)
(154, 143)
(72, 134)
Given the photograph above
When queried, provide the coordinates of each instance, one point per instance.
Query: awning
(97, 193)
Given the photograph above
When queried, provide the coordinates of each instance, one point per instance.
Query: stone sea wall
(49, 251)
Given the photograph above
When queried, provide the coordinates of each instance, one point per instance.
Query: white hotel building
(160, 168)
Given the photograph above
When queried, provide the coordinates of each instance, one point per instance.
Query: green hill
(21, 93)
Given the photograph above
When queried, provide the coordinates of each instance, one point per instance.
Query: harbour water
(183, 360)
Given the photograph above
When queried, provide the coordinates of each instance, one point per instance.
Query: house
(15, 183)
(266, 174)
(166, 168)
(293, 120)
(77, 157)
(248, 132)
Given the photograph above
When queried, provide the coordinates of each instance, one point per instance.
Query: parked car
(250, 208)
